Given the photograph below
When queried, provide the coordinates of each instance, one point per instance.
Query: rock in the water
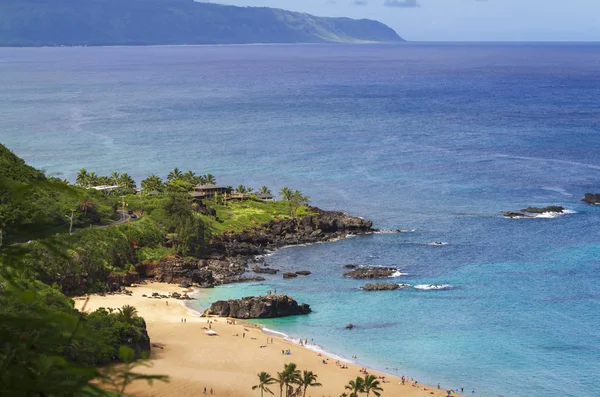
(241, 279)
(382, 287)
(371, 272)
(350, 326)
(541, 210)
(264, 270)
(303, 272)
(510, 214)
(591, 198)
(269, 306)
(350, 266)
(289, 275)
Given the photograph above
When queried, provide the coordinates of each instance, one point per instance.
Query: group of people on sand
(286, 352)
(211, 391)
(342, 366)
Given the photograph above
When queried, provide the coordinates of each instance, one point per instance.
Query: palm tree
(116, 178)
(308, 379)
(82, 178)
(291, 377)
(356, 386)
(126, 181)
(264, 379)
(128, 313)
(210, 179)
(92, 179)
(286, 193)
(171, 239)
(372, 385)
(190, 176)
(85, 204)
(265, 190)
(152, 183)
(174, 175)
(241, 189)
(281, 380)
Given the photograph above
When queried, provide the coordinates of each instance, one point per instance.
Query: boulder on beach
(269, 306)
(371, 272)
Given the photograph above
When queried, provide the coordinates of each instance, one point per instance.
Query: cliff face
(232, 253)
(146, 22)
(322, 226)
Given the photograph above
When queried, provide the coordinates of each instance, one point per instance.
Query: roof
(106, 187)
(197, 194)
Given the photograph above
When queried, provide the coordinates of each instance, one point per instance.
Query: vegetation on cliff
(34, 206)
(146, 22)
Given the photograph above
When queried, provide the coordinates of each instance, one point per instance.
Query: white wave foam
(350, 235)
(555, 214)
(272, 332)
(393, 231)
(437, 243)
(398, 273)
(429, 287)
(404, 285)
(310, 346)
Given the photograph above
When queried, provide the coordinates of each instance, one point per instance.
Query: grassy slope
(237, 216)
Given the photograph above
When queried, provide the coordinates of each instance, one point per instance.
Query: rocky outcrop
(232, 253)
(591, 198)
(303, 273)
(350, 266)
(541, 210)
(511, 214)
(371, 272)
(269, 306)
(264, 270)
(534, 210)
(290, 275)
(383, 287)
(320, 226)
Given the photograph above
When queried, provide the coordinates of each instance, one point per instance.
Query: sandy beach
(227, 363)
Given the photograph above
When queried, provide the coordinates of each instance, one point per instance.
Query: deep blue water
(431, 137)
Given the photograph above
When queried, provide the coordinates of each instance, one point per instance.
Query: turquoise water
(433, 138)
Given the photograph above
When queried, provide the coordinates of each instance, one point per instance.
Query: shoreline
(194, 360)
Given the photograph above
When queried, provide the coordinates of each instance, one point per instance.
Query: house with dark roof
(209, 191)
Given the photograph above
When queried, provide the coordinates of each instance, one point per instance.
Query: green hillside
(146, 22)
(34, 206)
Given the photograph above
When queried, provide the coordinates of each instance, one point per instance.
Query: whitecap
(555, 214)
(437, 243)
(398, 273)
(430, 287)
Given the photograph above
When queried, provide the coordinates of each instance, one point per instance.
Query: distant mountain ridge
(162, 22)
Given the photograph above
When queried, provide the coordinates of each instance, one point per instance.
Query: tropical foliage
(294, 198)
(34, 206)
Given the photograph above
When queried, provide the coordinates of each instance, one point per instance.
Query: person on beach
(244, 335)
(204, 392)
(438, 386)
(211, 391)
(167, 303)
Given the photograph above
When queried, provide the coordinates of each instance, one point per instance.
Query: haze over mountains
(147, 22)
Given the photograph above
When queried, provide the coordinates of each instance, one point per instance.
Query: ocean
(436, 139)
